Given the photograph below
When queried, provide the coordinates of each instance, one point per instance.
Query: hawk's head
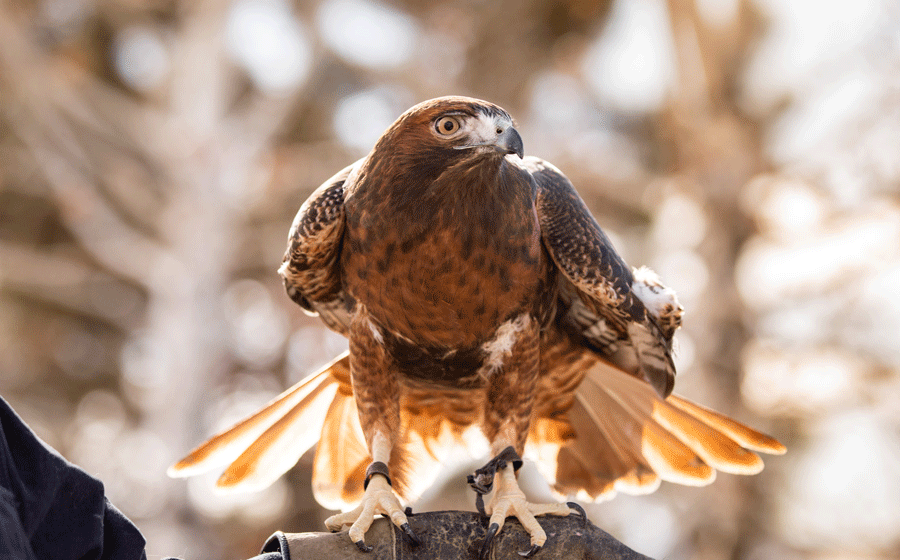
(444, 146)
(453, 128)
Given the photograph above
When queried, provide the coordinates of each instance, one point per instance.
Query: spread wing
(627, 316)
(311, 265)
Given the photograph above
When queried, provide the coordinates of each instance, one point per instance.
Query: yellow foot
(379, 499)
(508, 500)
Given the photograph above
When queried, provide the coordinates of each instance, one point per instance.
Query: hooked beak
(510, 142)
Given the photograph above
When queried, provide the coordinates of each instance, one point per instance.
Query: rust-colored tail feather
(618, 435)
(263, 446)
(259, 447)
(342, 457)
(628, 439)
(747, 437)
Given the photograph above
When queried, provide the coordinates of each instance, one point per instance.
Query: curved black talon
(408, 511)
(581, 512)
(411, 537)
(486, 545)
(479, 504)
(481, 483)
(363, 546)
(530, 552)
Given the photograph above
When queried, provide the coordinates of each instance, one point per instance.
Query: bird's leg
(507, 417)
(482, 481)
(378, 402)
(378, 498)
(509, 500)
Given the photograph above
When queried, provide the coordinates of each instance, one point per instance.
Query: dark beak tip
(510, 142)
(515, 144)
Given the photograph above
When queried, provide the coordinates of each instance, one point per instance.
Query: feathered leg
(377, 393)
(506, 419)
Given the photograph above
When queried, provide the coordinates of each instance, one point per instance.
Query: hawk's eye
(446, 125)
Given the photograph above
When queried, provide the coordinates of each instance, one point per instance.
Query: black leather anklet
(483, 480)
(377, 467)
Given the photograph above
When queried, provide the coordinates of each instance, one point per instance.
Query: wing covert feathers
(310, 268)
(585, 256)
(620, 436)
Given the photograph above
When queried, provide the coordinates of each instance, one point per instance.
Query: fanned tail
(266, 444)
(425, 443)
(321, 408)
(619, 435)
(339, 467)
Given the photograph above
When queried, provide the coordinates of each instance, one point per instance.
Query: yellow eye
(446, 125)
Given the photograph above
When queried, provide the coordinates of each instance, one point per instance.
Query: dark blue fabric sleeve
(49, 508)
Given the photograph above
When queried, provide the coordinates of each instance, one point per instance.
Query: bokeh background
(154, 152)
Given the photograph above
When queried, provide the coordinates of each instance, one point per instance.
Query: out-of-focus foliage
(153, 153)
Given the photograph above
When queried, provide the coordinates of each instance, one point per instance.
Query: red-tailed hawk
(476, 289)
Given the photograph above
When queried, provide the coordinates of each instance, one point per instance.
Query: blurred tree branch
(149, 193)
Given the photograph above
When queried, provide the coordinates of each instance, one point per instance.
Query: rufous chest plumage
(446, 265)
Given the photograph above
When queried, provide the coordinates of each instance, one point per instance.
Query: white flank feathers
(375, 332)
(655, 297)
(504, 339)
